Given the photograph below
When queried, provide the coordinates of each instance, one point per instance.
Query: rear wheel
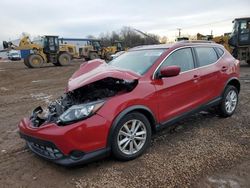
(248, 62)
(63, 59)
(93, 55)
(34, 61)
(131, 137)
(229, 101)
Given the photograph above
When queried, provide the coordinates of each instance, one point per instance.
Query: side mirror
(169, 71)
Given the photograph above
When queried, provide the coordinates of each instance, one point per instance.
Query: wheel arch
(234, 82)
(136, 108)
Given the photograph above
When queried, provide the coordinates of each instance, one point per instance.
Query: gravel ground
(201, 151)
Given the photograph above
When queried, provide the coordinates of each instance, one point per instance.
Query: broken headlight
(79, 112)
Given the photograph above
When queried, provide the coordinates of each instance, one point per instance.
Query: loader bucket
(5, 45)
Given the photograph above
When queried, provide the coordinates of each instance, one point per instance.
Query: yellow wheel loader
(47, 51)
(94, 50)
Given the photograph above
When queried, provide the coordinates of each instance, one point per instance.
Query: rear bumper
(50, 152)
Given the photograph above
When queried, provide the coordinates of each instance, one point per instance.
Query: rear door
(178, 94)
(210, 73)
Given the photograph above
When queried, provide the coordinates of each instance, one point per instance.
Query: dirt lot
(202, 151)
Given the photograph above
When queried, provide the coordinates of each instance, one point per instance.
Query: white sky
(79, 18)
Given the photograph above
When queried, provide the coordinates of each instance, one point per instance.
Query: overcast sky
(79, 18)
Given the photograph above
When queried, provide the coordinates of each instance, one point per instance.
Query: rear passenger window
(182, 58)
(206, 55)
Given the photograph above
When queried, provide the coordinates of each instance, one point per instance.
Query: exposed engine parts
(98, 90)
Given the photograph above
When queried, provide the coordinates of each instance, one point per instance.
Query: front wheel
(229, 101)
(131, 136)
(34, 61)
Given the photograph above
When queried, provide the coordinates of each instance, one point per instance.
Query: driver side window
(182, 58)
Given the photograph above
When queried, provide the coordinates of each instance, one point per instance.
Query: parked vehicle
(14, 56)
(47, 50)
(116, 107)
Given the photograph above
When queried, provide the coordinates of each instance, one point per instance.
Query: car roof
(175, 45)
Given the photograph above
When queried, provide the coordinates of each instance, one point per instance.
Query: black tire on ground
(117, 141)
(57, 64)
(34, 61)
(248, 62)
(26, 63)
(64, 59)
(230, 98)
(93, 55)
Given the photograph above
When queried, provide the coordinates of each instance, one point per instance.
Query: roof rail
(196, 41)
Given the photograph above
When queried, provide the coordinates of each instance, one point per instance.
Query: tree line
(129, 36)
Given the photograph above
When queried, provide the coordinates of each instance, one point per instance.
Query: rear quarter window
(206, 55)
(220, 51)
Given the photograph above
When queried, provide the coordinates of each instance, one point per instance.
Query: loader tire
(34, 61)
(93, 55)
(26, 63)
(64, 59)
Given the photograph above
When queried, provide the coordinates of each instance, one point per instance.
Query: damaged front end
(82, 102)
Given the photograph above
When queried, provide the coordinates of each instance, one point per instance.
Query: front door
(178, 94)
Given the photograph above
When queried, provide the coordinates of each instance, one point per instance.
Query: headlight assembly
(79, 112)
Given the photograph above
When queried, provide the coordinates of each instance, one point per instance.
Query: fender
(231, 79)
(123, 113)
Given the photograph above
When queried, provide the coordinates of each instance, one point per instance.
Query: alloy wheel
(132, 137)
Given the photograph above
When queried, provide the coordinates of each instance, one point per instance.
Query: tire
(93, 55)
(26, 63)
(248, 62)
(63, 59)
(229, 102)
(57, 64)
(34, 61)
(123, 142)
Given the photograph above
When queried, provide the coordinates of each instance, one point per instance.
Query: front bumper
(49, 151)
(69, 145)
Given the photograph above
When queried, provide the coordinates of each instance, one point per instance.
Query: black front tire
(34, 61)
(222, 109)
(116, 151)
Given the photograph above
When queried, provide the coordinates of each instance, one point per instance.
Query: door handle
(224, 69)
(196, 77)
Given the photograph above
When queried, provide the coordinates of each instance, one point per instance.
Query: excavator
(47, 50)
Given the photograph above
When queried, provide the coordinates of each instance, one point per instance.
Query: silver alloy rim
(132, 137)
(231, 101)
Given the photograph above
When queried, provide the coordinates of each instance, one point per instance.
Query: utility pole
(179, 29)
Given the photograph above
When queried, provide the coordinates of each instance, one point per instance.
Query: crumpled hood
(95, 70)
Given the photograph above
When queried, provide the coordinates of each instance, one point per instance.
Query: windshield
(137, 61)
(14, 54)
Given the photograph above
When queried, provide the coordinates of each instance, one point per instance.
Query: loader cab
(96, 44)
(241, 32)
(119, 46)
(51, 44)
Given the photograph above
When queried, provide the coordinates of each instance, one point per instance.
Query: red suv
(114, 108)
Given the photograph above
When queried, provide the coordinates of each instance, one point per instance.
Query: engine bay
(99, 90)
